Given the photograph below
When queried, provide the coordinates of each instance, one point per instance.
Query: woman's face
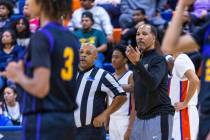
(20, 26)
(9, 95)
(6, 38)
(34, 8)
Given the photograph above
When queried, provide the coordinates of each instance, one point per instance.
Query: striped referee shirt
(93, 86)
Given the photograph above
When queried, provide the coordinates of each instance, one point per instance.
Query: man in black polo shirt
(153, 106)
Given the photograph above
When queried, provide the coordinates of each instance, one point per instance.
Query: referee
(93, 86)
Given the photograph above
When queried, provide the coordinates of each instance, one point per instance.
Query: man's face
(118, 60)
(4, 12)
(144, 38)
(88, 56)
(86, 4)
(86, 23)
(26, 10)
(138, 16)
(34, 8)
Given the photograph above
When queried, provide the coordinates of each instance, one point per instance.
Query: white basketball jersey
(179, 84)
(125, 109)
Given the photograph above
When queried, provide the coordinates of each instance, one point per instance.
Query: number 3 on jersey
(67, 71)
(207, 74)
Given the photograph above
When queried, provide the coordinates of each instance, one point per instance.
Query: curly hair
(9, 6)
(55, 9)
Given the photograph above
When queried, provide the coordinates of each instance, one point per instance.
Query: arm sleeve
(153, 75)
(75, 20)
(105, 21)
(111, 86)
(102, 38)
(40, 54)
(182, 64)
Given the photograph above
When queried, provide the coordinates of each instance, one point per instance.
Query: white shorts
(185, 126)
(117, 127)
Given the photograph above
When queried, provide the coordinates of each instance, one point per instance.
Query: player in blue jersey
(49, 75)
(173, 44)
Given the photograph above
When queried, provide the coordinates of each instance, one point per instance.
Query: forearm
(128, 88)
(102, 48)
(193, 86)
(116, 104)
(174, 30)
(132, 115)
(38, 85)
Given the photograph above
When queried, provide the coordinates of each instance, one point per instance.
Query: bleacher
(10, 132)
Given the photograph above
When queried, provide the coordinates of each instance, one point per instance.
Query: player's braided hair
(55, 9)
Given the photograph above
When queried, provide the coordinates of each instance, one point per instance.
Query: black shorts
(49, 126)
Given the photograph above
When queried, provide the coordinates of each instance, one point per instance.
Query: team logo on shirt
(146, 66)
(90, 79)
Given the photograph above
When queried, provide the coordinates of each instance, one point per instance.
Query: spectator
(129, 34)
(157, 20)
(92, 36)
(6, 10)
(128, 6)
(101, 18)
(9, 51)
(23, 33)
(113, 9)
(11, 106)
(201, 12)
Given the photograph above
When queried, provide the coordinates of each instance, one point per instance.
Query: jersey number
(207, 74)
(67, 71)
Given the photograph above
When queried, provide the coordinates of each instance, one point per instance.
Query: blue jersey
(55, 48)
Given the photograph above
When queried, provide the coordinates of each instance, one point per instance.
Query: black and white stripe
(92, 88)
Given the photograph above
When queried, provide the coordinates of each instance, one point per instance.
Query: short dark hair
(141, 9)
(55, 9)
(9, 6)
(121, 49)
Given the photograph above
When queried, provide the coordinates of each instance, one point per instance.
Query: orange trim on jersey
(185, 122)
